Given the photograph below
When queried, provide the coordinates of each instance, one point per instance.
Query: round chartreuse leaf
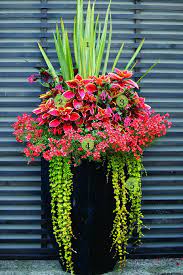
(122, 101)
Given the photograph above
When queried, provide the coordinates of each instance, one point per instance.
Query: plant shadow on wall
(93, 116)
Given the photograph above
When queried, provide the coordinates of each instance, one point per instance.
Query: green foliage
(148, 70)
(61, 190)
(50, 67)
(134, 168)
(135, 54)
(63, 52)
(90, 38)
(125, 172)
(120, 228)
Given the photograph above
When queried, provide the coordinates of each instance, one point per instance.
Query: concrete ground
(134, 267)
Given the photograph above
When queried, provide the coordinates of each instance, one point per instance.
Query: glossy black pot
(92, 217)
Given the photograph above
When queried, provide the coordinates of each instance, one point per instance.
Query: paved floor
(134, 267)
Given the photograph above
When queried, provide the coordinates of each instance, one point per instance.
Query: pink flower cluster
(89, 118)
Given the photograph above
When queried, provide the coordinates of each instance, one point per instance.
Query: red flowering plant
(90, 118)
(85, 114)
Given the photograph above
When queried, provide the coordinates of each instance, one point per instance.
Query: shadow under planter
(92, 217)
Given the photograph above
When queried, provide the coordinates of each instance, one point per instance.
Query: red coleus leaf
(54, 123)
(86, 81)
(115, 86)
(38, 111)
(74, 116)
(49, 103)
(82, 93)
(114, 76)
(67, 127)
(53, 112)
(91, 87)
(92, 109)
(77, 104)
(69, 94)
(78, 77)
(124, 74)
(68, 110)
(41, 121)
(72, 83)
(66, 117)
(44, 116)
(132, 83)
(80, 121)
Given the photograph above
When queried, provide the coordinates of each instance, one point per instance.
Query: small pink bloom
(103, 95)
(59, 87)
(32, 78)
(127, 121)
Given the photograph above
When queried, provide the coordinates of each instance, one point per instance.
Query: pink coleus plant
(104, 112)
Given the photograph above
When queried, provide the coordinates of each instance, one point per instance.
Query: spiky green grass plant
(90, 39)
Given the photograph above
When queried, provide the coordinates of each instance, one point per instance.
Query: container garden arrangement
(91, 129)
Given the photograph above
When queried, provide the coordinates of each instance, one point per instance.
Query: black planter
(92, 216)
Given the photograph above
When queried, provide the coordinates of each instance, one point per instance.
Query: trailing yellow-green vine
(120, 227)
(61, 190)
(125, 172)
(134, 168)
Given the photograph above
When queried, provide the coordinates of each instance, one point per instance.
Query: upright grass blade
(150, 69)
(63, 35)
(108, 47)
(133, 66)
(75, 40)
(87, 39)
(135, 54)
(102, 42)
(92, 41)
(79, 32)
(63, 52)
(98, 39)
(61, 55)
(66, 49)
(117, 57)
(69, 57)
(50, 67)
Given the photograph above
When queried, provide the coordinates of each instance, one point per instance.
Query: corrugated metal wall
(22, 23)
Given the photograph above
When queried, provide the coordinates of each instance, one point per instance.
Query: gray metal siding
(22, 23)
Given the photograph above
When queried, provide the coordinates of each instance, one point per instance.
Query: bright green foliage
(90, 38)
(135, 54)
(120, 228)
(48, 63)
(134, 168)
(63, 52)
(61, 190)
(125, 171)
(148, 70)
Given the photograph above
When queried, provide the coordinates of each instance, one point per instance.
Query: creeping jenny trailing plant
(87, 113)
